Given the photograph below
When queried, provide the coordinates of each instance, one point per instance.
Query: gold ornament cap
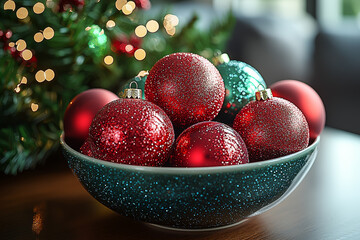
(263, 94)
(220, 59)
(133, 92)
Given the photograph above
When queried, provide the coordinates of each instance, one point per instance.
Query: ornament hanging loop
(263, 94)
(133, 92)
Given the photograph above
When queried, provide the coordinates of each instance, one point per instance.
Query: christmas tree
(52, 50)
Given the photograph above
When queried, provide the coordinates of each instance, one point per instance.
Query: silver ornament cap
(135, 93)
(263, 94)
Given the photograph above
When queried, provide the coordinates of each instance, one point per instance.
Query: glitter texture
(241, 82)
(209, 144)
(272, 128)
(132, 131)
(191, 198)
(187, 86)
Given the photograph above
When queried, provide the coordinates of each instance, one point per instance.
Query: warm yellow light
(48, 33)
(38, 37)
(49, 74)
(129, 48)
(20, 45)
(22, 13)
(110, 24)
(108, 60)
(119, 4)
(9, 5)
(23, 80)
(50, 3)
(140, 54)
(152, 26)
(171, 20)
(34, 107)
(140, 31)
(132, 5)
(143, 73)
(38, 8)
(11, 44)
(17, 89)
(171, 31)
(26, 54)
(40, 76)
(127, 9)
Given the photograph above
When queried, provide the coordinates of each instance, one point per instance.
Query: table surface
(50, 203)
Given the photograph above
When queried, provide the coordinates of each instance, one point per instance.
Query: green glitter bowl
(197, 199)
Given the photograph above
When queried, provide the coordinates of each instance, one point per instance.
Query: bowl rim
(189, 170)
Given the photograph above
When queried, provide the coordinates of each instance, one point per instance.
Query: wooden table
(50, 203)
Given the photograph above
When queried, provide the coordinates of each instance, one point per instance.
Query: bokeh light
(140, 54)
(140, 31)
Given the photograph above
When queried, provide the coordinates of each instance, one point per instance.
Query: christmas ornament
(132, 131)
(124, 45)
(81, 111)
(306, 99)
(241, 82)
(208, 144)
(87, 147)
(271, 127)
(143, 4)
(140, 80)
(65, 5)
(187, 86)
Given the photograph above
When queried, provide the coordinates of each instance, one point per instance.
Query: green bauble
(241, 82)
(140, 84)
(98, 41)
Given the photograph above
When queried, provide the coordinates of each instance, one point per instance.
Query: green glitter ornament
(241, 82)
(98, 41)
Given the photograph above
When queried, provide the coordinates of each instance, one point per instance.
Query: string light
(127, 9)
(11, 44)
(108, 60)
(152, 26)
(119, 4)
(170, 22)
(34, 107)
(23, 80)
(110, 24)
(38, 37)
(50, 3)
(26, 54)
(38, 8)
(9, 5)
(132, 5)
(40, 76)
(49, 74)
(17, 89)
(20, 45)
(140, 31)
(48, 33)
(140, 54)
(22, 13)
(171, 31)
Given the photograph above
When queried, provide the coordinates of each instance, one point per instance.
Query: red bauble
(143, 4)
(187, 86)
(132, 131)
(81, 111)
(209, 144)
(124, 45)
(272, 128)
(87, 147)
(306, 99)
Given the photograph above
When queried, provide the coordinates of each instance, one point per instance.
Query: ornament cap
(220, 59)
(133, 92)
(263, 94)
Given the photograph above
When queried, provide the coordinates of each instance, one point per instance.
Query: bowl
(199, 198)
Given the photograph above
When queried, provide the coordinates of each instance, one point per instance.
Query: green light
(97, 40)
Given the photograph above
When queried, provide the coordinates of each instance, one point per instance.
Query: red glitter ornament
(209, 144)
(87, 147)
(271, 127)
(306, 99)
(187, 86)
(132, 131)
(81, 111)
